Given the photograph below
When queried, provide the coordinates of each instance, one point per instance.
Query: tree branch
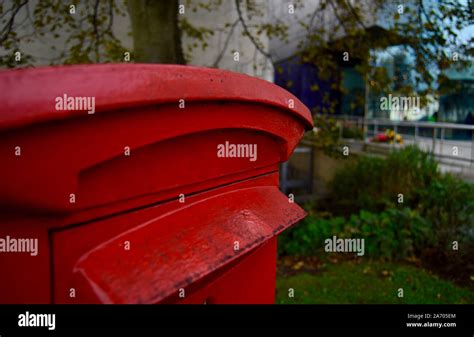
(353, 11)
(111, 16)
(337, 16)
(226, 44)
(96, 30)
(247, 32)
(8, 27)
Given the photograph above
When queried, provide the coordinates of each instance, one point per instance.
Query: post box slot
(181, 247)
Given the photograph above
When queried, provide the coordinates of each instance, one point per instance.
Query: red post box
(142, 184)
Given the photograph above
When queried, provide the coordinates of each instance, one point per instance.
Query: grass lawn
(368, 282)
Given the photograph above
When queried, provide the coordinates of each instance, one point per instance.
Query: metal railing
(440, 139)
(451, 143)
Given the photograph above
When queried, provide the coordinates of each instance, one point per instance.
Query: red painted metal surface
(79, 240)
(176, 249)
(172, 152)
(251, 279)
(28, 95)
(95, 148)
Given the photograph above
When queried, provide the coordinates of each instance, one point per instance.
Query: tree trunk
(155, 31)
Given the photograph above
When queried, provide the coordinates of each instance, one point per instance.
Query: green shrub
(352, 132)
(326, 135)
(374, 183)
(442, 201)
(307, 238)
(438, 210)
(393, 234)
(448, 203)
(356, 186)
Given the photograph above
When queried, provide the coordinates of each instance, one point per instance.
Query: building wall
(47, 49)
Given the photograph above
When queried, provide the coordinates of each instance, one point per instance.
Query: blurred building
(457, 106)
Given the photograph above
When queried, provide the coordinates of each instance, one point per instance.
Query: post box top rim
(28, 95)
